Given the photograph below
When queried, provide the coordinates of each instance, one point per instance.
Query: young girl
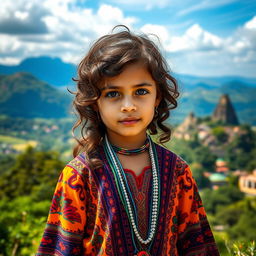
(123, 194)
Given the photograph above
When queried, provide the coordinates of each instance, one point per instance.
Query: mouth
(129, 121)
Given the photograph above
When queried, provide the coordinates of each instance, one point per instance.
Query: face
(127, 105)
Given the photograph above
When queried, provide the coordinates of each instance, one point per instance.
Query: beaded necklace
(126, 195)
(128, 152)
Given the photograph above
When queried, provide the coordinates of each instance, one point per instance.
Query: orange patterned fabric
(87, 217)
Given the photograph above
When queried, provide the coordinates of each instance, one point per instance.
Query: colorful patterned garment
(87, 217)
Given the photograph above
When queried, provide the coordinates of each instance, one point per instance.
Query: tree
(240, 151)
(198, 174)
(220, 134)
(223, 196)
(32, 170)
(205, 157)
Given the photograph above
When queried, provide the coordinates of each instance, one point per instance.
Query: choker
(129, 152)
(127, 198)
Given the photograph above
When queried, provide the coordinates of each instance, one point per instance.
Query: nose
(128, 104)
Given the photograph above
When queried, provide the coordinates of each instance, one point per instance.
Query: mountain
(51, 70)
(192, 81)
(203, 100)
(58, 73)
(23, 95)
(198, 94)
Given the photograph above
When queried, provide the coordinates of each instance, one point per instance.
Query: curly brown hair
(107, 58)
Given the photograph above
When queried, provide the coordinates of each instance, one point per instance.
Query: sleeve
(64, 230)
(194, 233)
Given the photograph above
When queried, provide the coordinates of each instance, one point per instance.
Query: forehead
(132, 74)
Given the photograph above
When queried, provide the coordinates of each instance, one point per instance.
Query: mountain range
(51, 70)
(35, 93)
(58, 73)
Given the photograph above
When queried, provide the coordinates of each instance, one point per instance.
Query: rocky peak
(225, 111)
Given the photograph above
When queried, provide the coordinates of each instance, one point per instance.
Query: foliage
(204, 156)
(240, 152)
(6, 162)
(193, 152)
(239, 219)
(220, 239)
(29, 182)
(223, 196)
(32, 171)
(242, 249)
(220, 134)
(198, 174)
(21, 221)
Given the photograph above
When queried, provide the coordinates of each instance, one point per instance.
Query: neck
(127, 142)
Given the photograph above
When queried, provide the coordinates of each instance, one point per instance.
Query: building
(221, 166)
(217, 180)
(247, 183)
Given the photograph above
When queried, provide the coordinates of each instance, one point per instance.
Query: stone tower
(225, 112)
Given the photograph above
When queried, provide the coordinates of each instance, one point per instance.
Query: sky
(202, 37)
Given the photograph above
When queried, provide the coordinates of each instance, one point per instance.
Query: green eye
(141, 92)
(112, 94)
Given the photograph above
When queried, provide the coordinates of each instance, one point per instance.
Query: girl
(122, 194)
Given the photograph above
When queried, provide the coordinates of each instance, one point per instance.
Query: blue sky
(203, 37)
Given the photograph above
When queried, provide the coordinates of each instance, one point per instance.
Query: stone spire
(225, 112)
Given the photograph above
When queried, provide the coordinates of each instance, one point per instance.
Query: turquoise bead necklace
(129, 152)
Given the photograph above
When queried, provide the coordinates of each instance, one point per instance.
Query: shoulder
(178, 163)
(77, 166)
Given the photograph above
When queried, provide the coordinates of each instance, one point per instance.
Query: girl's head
(108, 57)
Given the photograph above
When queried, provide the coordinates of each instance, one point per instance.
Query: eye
(112, 94)
(141, 91)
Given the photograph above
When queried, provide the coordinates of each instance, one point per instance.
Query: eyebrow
(110, 86)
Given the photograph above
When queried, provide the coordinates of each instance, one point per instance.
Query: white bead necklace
(156, 194)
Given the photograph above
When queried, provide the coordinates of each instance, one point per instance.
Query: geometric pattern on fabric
(87, 216)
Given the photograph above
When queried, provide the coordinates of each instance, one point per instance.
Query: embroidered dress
(87, 217)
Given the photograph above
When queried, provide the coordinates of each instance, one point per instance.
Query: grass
(17, 143)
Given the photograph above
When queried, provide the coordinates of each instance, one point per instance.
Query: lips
(129, 120)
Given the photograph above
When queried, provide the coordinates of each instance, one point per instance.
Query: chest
(135, 162)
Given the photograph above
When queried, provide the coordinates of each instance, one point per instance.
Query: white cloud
(251, 24)
(199, 52)
(142, 4)
(195, 38)
(236, 55)
(23, 17)
(60, 28)
(55, 28)
(160, 32)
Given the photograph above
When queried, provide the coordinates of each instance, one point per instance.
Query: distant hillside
(23, 95)
(51, 70)
(202, 100)
(198, 94)
(190, 81)
(58, 73)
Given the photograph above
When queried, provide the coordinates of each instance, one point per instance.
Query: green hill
(23, 95)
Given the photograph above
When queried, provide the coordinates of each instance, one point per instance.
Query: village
(225, 115)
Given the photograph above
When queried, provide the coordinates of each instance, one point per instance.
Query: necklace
(126, 195)
(129, 152)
